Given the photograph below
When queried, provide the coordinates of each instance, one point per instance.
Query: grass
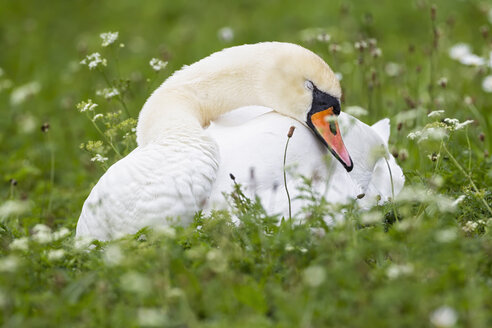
(424, 259)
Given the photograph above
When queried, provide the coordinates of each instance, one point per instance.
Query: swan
(177, 167)
(257, 163)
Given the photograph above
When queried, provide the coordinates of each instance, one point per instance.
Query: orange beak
(326, 125)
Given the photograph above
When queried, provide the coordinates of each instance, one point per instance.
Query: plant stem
(289, 135)
(105, 137)
(392, 190)
(477, 192)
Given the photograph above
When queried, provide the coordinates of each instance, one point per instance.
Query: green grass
(373, 270)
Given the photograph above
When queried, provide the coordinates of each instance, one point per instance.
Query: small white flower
(339, 76)
(470, 226)
(459, 50)
(94, 60)
(82, 242)
(226, 34)
(99, 158)
(414, 135)
(396, 270)
(454, 124)
(113, 255)
(444, 317)
(22, 93)
(88, 105)
(392, 69)
(289, 247)
(487, 84)
(60, 234)
(97, 116)
(108, 93)
(356, 111)
(436, 113)
(13, 207)
(42, 234)
(443, 81)
(21, 244)
(314, 276)
(55, 254)
(157, 64)
(9, 263)
(472, 60)
(376, 52)
(323, 37)
(108, 38)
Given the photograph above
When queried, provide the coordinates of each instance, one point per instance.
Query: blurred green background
(46, 176)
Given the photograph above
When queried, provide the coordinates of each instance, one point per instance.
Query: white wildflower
(108, 93)
(339, 76)
(472, 60)
(392, 69)
(459, 50)
(21, 244)
(99, 158)
(360, 45)
(9, 263)
(444, 317)
(289, 248)
(314, 276)
(157, 64)
(152, 317)
(323, 37)
(88, 105)
(414, 135)
(113, 255)
(356, 111)
(97, 116)
(376, 52)
(454, 124)
(83, 242)
(94, 60)
(55, 254)
(20, 94)
(435, 113)
(13, 208)
(41, 233)
(397, 270)
(108, 38)
(487, 84)
(470, 226)
(226, 34)
(443, 81)
(446, 235)
(136, 282)
(60, 234)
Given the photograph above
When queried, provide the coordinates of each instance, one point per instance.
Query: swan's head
(301, 85)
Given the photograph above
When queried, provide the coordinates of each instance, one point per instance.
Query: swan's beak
(326, 125)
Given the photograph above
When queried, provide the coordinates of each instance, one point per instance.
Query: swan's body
(255, 157)
(180, 167)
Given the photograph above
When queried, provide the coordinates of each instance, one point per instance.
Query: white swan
(255, 157)
(174, 170)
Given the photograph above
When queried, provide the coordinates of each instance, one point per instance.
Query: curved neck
(192, 97)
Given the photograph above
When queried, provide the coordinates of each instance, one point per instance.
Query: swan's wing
(382, 128)
(147, 187)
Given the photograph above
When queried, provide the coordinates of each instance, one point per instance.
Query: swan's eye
(309, 85)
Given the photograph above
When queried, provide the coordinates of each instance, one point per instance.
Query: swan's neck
(188, 100)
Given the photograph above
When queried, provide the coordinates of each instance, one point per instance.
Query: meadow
(424, 259)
